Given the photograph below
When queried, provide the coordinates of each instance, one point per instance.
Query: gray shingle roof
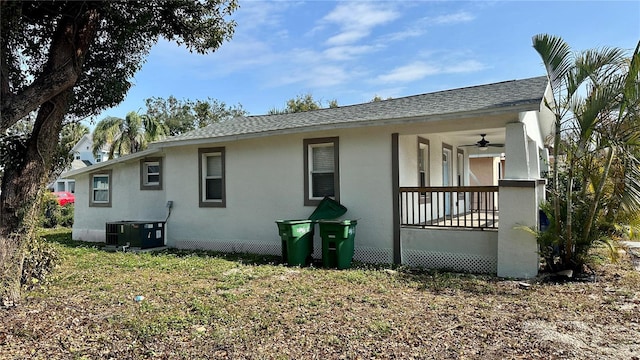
(507, 95)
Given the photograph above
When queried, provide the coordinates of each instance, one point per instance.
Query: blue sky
(352, 51)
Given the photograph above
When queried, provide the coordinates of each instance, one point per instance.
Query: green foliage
(124, 136)
(40, 259)
(179, 116)
(594, 188)
(302, 103)
(377, 98)
(127, 31)
(53, 215)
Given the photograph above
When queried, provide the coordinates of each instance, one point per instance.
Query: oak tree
(68, 60)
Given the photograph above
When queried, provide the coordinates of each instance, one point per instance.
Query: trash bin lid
(292, 222)
(339, 222)
(328, 209)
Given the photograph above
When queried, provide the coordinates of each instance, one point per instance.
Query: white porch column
(516, 150)
(517, 249)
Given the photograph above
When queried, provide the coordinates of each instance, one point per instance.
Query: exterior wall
(518, 249)
(264, 183)
(128, 202)
(459, 250)
(408, 149)
(485, 171)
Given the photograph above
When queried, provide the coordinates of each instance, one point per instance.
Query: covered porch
(459, 206)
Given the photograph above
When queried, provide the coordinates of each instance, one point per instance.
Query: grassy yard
(200, 305)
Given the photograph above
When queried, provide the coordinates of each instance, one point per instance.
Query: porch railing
(450, 206)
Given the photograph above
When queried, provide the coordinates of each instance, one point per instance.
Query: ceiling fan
(484, 144)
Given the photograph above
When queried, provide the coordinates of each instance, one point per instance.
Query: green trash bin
(337, 242)
(297, 241)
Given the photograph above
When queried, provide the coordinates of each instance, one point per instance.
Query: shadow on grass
(63, 237)
(243, 258)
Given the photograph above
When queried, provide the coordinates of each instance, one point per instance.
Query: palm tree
(126, 136)
(595, 103)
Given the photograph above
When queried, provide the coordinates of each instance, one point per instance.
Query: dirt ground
(209, 308)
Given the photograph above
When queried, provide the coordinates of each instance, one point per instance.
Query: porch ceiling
(469, 137)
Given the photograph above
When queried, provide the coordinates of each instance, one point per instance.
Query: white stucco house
(83, 156)
(400, 166)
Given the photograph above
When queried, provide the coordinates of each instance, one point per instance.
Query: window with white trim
(151, 174)
(423, 163)
(212, 177)
(321, 169)
(100, 187)
(424, 176)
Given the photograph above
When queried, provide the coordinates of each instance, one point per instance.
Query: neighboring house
(82, 157)
(398, 166)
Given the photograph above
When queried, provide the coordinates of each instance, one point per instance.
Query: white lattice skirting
(450, 261)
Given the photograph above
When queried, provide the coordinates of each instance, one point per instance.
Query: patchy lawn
(203, 305)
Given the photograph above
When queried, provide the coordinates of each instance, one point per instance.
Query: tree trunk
(24, 178)
(20, 189)
(11, 260)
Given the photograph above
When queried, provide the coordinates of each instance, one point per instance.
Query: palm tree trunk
(569, 222)
(593, 208)
(556, 185)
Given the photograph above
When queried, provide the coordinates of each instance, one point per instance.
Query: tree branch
(74, 34)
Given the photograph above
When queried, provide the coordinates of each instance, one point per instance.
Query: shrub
(40, 260)
(52, 214)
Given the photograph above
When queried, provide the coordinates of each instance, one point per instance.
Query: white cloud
(339, 53)
(259, 14)
(455, 18)
(414, 71)
(315, 76)
(419, 69)
(356, 20)
(465, 67)
(411, 32)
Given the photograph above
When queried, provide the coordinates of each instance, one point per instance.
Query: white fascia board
(111, 162)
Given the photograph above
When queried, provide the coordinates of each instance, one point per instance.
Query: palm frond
(556, 56)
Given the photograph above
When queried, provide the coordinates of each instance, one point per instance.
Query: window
(424, 178)
(212, 173)
(423, 162)
(151, 174)
(100, 188)
(321, 176)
